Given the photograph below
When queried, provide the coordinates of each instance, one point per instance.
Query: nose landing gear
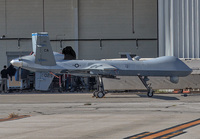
(150, 91)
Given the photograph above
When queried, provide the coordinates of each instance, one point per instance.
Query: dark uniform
(4, 77)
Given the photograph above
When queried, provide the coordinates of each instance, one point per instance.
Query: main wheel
(150, 93)
(100, 94)
(95, 93)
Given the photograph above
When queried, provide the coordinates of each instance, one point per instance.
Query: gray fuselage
(162, 66)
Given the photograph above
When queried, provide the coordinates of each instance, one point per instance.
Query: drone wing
(101, 66)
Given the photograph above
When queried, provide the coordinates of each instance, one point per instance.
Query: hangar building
(96, 29)
(99, 29)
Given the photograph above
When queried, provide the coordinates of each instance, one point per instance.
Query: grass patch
(13, 115)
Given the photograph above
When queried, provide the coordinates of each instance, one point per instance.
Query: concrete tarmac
(117, 116)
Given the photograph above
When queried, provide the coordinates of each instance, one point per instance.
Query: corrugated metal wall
(108, 19)
(81, 19)
(179, 26)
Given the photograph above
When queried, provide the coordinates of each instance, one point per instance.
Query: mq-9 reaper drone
(45, 60)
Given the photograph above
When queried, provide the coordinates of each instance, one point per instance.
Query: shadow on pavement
(160, 97)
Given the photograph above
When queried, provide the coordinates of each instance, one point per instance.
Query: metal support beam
(78, 40)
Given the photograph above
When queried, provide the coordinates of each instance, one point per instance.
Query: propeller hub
(16, 63)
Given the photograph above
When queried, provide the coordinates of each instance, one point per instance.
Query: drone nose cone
(16, 63)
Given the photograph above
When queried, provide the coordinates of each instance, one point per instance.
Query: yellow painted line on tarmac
(173, 129)
(15, 118)
(140, 135)
(166, 133)
(172, 135)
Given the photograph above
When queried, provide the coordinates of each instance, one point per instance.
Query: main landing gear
(144, 80)
(99, 93)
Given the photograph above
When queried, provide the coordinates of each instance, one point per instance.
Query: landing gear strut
(99, 93)
(150, 91)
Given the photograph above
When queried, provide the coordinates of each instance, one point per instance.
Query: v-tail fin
(42, 49)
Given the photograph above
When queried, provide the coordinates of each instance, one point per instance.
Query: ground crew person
(4, 77)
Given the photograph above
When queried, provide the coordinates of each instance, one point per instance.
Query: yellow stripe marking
(172, 135)
(181, 127)
(141, 135)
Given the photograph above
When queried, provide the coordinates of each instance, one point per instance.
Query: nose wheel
(150, 91)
